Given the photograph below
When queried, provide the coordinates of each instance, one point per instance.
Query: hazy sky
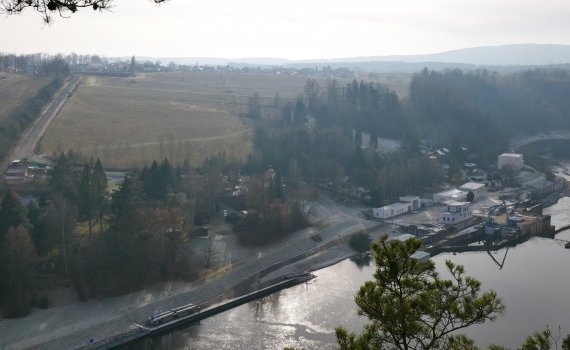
(293, 29)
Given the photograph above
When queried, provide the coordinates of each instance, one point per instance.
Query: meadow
(16, 89)
(128, 122)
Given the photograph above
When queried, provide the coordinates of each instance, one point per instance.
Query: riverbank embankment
(78, 324)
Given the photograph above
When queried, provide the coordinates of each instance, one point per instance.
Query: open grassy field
(181, 115)
(15, 89)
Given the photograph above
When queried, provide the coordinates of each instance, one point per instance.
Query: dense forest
(482, 110)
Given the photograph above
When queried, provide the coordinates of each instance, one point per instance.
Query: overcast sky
(293, 29)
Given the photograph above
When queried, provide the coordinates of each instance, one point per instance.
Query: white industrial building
(514, 161)
(456, 212)
(475, 187)
(406, 204)
(450, 195)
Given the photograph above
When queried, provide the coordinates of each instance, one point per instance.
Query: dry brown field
(128, 122)
(15, 89)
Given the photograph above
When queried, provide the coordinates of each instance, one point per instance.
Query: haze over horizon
(298, 31)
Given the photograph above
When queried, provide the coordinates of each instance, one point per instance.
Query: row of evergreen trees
(362, 106)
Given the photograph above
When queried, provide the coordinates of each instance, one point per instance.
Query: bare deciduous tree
(62, 7)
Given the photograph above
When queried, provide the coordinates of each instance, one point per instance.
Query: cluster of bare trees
(36, 64)
(47, 8)
(13, 63)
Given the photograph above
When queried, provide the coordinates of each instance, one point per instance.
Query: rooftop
(403, 237)
(451, 192)
(471, 186)
(456, 203)
(420, 255)
(394, 205)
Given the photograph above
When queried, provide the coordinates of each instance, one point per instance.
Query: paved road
(28, 141)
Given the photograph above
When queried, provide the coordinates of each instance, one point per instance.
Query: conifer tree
(411, 307)
(86, 199)
(99, 191)
(12, 214)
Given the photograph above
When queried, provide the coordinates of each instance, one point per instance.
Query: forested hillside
(481, 110)
(320, 136)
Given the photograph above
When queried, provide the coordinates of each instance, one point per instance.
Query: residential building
(456, 212)
(17, 174)
(514, 161)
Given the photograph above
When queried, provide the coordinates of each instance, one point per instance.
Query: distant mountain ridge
(468, 58)
(515, 54)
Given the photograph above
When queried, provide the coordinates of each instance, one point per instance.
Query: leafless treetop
(47, 8)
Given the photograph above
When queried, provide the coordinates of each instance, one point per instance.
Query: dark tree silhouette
(48, 7)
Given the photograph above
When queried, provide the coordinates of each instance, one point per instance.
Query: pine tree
(99, 181)
(18, 252)
(12, 214)
(86, 199)
(37, 231)
(62, 178)
(411, 307)
(133, 65)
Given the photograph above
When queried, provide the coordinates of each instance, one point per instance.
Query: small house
(456, 212)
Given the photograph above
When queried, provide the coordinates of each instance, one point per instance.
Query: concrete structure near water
(420, 255)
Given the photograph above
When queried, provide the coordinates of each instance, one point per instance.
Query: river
(534, 282)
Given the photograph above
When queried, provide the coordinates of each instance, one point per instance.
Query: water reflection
(362, 260)
(533, 278)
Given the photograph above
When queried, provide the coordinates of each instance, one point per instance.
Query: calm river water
(534, 282)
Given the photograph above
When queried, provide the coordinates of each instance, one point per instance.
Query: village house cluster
(24, 171)
(456, 204)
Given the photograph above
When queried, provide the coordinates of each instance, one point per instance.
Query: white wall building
(391, 210)
(414, 200)
(406, 204)
(477, 189)
(450, 195)
(512, 160)
(456, 212)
